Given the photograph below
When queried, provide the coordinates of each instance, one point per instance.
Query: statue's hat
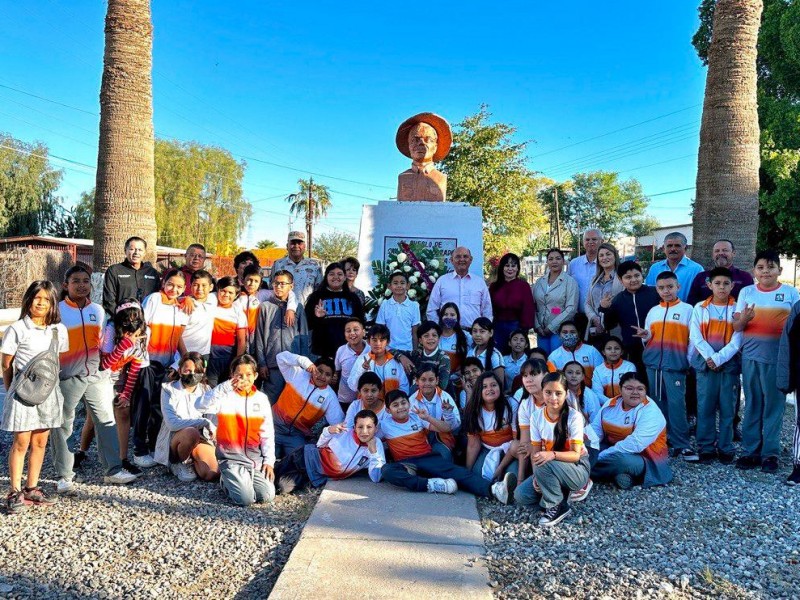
(441, 126)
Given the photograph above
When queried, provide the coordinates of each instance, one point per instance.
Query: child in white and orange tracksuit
(245, 435)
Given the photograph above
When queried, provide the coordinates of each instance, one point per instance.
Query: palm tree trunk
(726, 205)
(125, 198)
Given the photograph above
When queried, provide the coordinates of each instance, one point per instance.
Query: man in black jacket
(132, 278)
(629, 309)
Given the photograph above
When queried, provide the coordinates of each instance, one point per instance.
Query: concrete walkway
(367, 540)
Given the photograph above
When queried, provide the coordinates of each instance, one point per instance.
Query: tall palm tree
(124, 203)
(311, 195)
(726, 205)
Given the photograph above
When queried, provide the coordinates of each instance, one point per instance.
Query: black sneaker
(725, 458)
(707, 457)
(131, 468)
(16, 502)
(623, 481)
(748, 462)
(688, 455)
(794, 478)
(770, 464)
(78, 459)
(554, 516)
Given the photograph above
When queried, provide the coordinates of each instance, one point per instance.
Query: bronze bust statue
(424, 138)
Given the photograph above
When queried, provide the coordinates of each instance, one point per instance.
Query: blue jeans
(430, 466)
(619, 463)
(287, 440)
(477, 468)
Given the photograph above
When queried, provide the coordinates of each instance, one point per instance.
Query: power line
(693, 155)
(602, 135)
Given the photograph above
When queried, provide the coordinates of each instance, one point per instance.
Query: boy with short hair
(629, 309)
(346, 356)
(378, 359)
(400, 314)
(666, 333)
(250, 299)
(197, 335)
(788, 380)
(761, 313)
(306, 398)
(273, 335)
(405, 431)
(340, 452)
(715, 357)
(573, 348)
(370, 397)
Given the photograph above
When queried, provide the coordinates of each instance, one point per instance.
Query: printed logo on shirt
(779, 297)
(585, 359)
(149, 276)
(676, 317)
(123, 276)
(93, 318)
(415, 427)
(362, 461)
(320, 399)
(394, 371)
(627, 420)
(256, 407)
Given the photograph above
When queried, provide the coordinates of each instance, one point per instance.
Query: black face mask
(190, 379)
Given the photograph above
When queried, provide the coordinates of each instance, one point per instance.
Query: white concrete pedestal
(441, 225)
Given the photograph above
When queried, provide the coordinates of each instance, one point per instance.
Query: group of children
(215, 380)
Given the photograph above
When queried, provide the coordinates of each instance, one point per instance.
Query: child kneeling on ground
(560, 461)
(405, 432)
(245, 435)
(339, 453)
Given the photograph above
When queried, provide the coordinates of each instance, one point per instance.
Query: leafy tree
(266, 245)
(597, 199)
(778, 66)
(198, 197)
(485, 168)
(28, 204)
(642, 226)
(330, 247)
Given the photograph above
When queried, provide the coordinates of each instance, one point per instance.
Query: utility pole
(309, 216)
(558, 220)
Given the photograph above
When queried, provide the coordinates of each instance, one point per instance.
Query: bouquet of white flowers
(423, 267)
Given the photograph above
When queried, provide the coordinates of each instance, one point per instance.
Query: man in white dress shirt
(583, 269)
(468, 291)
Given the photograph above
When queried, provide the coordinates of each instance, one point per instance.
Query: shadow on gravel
(21, 586)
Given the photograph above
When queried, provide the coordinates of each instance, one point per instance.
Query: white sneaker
(442, 486)
(580, 495)
(145, 461)
(183, 471)
(504, 490)
(65, 486)
(120, 477)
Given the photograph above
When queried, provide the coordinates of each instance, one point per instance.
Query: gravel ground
(715, 532)
(157, 537)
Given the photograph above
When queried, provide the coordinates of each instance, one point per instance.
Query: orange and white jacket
(245, 432)
(605, 379)
(302, 404)
(639, 430)
(85, 330)
(711, 333)
(668, 347)
(408, 439)
(435, 408)
(391, 372)
(343, 454)
(165, 325)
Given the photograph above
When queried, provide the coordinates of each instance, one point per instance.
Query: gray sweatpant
(245, 484)
(98, 394)
(556, 479)
(764, 405)
(668, 389)
(619, 463)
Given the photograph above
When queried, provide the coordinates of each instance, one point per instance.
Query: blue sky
(321, 89)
